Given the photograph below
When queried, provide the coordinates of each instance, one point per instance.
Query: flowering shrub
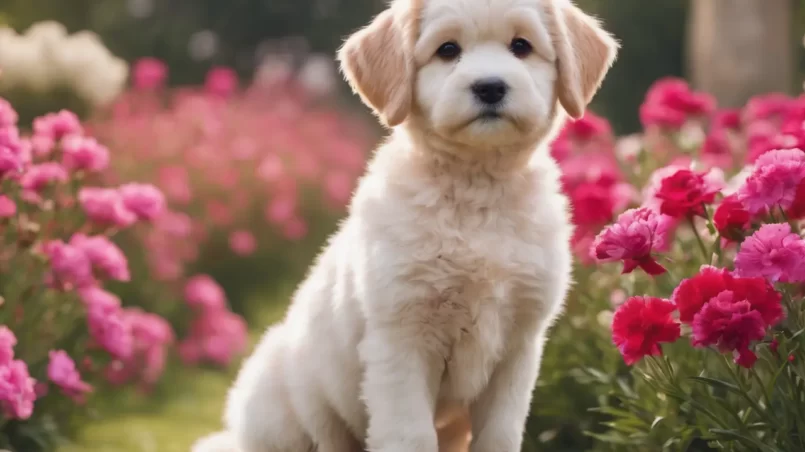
(693, 227)
(63, 333)
(247, 173)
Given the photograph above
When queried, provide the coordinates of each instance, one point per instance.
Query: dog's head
(478, 72)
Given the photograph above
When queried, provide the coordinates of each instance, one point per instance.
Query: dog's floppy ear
(376, 61)
(584, 54)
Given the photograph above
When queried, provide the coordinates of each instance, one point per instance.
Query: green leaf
(746, 440)
(795, 335)
(715, 383)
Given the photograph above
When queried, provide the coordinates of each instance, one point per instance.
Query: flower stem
(702, 247)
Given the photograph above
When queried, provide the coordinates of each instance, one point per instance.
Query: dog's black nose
(490, 90)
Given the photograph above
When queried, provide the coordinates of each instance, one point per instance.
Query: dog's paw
(409, 443)
(218, 442)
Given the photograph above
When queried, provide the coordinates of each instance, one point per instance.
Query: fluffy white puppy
(438, 289)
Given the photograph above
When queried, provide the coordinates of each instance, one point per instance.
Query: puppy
(436, 293)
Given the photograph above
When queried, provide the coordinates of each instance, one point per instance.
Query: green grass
(186, 407)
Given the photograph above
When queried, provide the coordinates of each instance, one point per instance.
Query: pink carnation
(10, 161)
(177, 224)
(774, 253)
(767, 106)
(105, 206)
(8, 116)
(221, 81)
(84, 154)
(39, 176)
(17, 393)
(203, 292)
(104, 255)
(7, 207)
(216, 337)
(149, 329)
(684, 193)
(175, 181)
(774, 180)
(731, 324)
(149, 73)
(280, 209)
(242, 243)
(58, 125)
(727, 119)
(294, 229)
(95, 296)
(151, 334)
(62, 372)
(670, 102)
(41, 145)
(7, 343)
(69, 265)
(633, 237)
(144, 200)
(109, 329)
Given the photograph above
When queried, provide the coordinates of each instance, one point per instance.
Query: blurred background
(256, 185)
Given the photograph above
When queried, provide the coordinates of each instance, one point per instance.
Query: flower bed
(692, 261)
(109, 225)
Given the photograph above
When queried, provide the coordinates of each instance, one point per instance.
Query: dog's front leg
(400, 386)
(499, 415)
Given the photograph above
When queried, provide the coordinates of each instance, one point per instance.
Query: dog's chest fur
(481, 254)
(483, 274)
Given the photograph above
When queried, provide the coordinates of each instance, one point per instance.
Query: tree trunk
(740, 48)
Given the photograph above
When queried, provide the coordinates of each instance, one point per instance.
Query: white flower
(318, 75)
(45, 57)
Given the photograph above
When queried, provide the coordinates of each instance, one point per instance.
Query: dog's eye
(448, 51)
(520, 47)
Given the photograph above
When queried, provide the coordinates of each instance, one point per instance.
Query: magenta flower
(294, 229)
(670, 102)
(105, 206)
(149, 73)
(37, 177)
(94, 295)
(58, 125)
(221, 81)
(104, 255)
(7, 343)
(203, 292)
(109, 329)
(635, 234)
(62, 372)
(17, 393)
(731, 324)
(242, 243)
(151, 334)
(8, 116)
(10, 161)
(69, 265)
(7, 207)
(774, 253)
(216, 337)
(84, 154)
(773, 181)
(148, 329)
(144, 200)
(177, 224)
(41, 145)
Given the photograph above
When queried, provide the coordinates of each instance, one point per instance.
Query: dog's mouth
(488, 115)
